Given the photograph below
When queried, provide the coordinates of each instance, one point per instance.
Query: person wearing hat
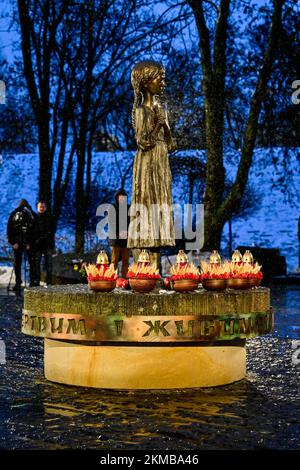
(119, 232)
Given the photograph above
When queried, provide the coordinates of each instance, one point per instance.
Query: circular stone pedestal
(147, 367)
(160, 340)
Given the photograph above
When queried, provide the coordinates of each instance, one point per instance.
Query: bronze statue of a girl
(151, 210)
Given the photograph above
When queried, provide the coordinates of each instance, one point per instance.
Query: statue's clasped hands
(148, 141)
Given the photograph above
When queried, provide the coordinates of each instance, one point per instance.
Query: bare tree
(97, 46)
(213, 50)
(39, 24)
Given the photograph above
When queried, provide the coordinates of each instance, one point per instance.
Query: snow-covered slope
(275, 222)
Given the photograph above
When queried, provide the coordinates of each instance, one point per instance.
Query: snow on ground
(273, 223)
(7, 276)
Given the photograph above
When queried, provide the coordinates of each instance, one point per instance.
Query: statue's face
(157, 85)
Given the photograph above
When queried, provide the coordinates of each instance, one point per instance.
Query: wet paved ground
(260, 412)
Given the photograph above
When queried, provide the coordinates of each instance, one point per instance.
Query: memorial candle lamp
(214, 275)
(215, 258)
(244, 276)
(248, 257)
(101, 276)
(185, 276)
(181, 259)
(143, 276)
(237, 257)
(102, 259)
(143, 259)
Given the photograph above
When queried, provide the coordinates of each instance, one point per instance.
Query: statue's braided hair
(142, 73)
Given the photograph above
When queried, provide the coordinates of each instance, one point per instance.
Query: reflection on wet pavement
(262, 411)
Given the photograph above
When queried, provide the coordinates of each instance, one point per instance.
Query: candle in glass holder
(102, 260)
(181, 259)
(215, 257)
(144, 258)
(237, 257)
(248, 257)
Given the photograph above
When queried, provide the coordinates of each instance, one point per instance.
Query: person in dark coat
(118, 241)
(44, 241)
(21, 231)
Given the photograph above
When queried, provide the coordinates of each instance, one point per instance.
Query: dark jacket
(45, 231)
(115, 240)
(21, 226)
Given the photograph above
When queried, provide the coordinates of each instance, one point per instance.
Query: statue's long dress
(152, 188)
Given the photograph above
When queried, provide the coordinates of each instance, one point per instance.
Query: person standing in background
(21, 233)
(44, 241)
(119, 241)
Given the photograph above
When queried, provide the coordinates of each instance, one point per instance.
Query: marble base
(143, 367)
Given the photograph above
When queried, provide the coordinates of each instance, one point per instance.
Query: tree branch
(204, 37)
(233, 200)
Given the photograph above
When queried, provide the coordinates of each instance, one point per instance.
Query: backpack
(23, 220)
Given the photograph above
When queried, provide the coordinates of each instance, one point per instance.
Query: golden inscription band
(147, 328)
